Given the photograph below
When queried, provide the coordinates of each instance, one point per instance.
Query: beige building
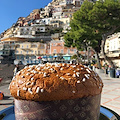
(112, 48)
(29, 50)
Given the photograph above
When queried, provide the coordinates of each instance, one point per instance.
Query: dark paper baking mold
(87, 108)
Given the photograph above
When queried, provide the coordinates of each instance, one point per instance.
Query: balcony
(111, 54)
(5, 52)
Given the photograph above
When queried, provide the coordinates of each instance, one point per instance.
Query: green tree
(92, 24)
(106, 17)
(82, 34)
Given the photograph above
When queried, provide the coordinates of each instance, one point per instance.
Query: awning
(44, 57)
(55, 56)
(50, 57)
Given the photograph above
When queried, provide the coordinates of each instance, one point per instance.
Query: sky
(11, 10)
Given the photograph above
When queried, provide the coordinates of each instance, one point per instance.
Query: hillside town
(41, 35)
(43, 76)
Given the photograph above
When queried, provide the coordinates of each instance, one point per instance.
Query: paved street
(110, 94)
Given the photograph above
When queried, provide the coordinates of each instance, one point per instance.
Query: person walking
(106, 69)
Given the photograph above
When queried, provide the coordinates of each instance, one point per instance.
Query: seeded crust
(46, 82)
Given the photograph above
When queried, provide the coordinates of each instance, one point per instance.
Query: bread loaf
(47, 82)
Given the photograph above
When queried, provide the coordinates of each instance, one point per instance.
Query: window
(59, 44)
(74, 50)
(18, 57)
(38, 29)
(22, 30)
(27, 46)
(17, 51)
(54, 44)
(38, 52)
(21, 52)
(54, 51)
(18, 46)
(68, 51)
(27, 52)
(33, 46)
(61, 51)
(31, 51)
(41, 46)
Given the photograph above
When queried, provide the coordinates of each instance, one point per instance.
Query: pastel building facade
(57, 47)
(112, 49)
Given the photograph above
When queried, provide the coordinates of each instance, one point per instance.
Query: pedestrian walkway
(110, 95)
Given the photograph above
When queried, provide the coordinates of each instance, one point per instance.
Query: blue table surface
(9, 113)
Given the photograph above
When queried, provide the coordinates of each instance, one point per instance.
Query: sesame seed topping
(100, 84)
(30, 91)
(78, 81)
(42, 90)
(29, 69)
(35, 72)
(67, 73)
(38, 68)
(73, 66)
(68, 65)
(18, 92)
(28, 83)
(24, 88)
(61, 69)
(25, 66)
(83, 80)
(56, 65)
(87, 76)
(28, 74)
(74, 75)
(45, 75)
(23, 72)
(51, 69)
(62, 78)
(63, 64)
(73, 91)
(32, 78)
(32, 83)
(31, 75)
(13, 78)
(77, 73)
(18, 73)
(38, 89)
(13, 83)
(88, 71)
(23, 76)
(99, 87)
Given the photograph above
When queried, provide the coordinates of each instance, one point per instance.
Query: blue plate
(9, 114)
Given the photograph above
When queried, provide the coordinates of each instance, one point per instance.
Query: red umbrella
(39, 57)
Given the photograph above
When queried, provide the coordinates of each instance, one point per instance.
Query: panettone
(48, 82)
